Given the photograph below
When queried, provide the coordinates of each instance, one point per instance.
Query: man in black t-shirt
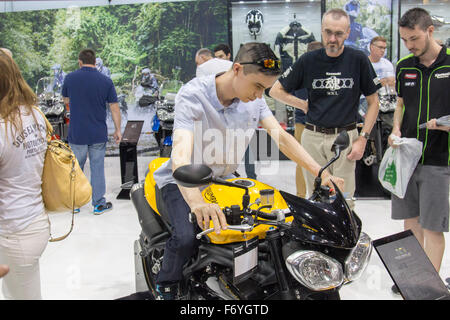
(423, 82)
(335, 77)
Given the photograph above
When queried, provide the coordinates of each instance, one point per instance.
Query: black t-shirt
(334, 85)
(426, 95)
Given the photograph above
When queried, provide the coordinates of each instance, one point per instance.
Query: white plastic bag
(398, 164)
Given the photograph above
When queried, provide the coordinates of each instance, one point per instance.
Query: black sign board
(410, 268)
(128, 157)
(132, 132)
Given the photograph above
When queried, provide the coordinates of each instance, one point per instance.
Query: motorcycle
(377, 143)
(162, 123)
(51, 103)
(277, 245)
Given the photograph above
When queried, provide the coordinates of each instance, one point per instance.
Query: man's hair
(378, 38)
(314, 46)
(254, 52)
(224, 47)
(204, 52)
(336, 14)
(416, 17)
(87, 56)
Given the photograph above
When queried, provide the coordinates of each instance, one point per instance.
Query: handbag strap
(72, 179)
(47, 123)
(72, 189)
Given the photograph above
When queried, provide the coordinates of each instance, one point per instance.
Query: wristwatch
(364, 134)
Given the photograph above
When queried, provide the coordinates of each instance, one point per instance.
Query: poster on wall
(146, 49)
(368, 19)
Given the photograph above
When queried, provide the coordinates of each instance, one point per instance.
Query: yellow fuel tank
(224, 196)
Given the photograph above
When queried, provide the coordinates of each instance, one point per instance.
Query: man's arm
(277, 92)
(359, 144)
(115, 114)
(397, 120)
(183, 144)
(294, 151)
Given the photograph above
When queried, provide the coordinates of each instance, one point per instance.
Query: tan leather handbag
(64, 185)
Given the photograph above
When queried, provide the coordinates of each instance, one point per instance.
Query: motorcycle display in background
(378, 140)
(277, 245)
(51, 103)
(162, 124)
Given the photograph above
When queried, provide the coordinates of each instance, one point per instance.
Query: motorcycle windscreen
(331, 224)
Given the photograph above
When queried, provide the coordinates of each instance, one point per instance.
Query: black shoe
(395, 289)
(167, 292)
(102, 208)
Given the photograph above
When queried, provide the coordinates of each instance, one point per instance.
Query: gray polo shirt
(221, 134)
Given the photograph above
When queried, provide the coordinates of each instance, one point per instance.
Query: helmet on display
(254, 21)
(146, 80)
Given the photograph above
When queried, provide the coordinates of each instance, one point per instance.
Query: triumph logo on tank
(333, 83)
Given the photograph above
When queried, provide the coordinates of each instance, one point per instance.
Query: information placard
(410, 268)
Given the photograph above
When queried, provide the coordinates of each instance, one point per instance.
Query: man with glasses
(215, 119)
(334, 76)
(383, 67)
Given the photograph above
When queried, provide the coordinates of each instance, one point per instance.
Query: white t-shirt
(221, 134)
(213, 66)
(21, 163)
(383, 68)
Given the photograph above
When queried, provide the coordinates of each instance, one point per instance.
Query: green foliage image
(162, 36)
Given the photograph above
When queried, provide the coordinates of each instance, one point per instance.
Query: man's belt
(329, 130)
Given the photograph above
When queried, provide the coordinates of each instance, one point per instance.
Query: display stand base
(124, 194)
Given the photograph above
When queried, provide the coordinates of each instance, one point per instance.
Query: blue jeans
(97, 164)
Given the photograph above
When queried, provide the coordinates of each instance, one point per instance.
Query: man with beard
(334, 77)
(423, 82)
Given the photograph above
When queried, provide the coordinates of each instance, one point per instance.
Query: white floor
(97, 260)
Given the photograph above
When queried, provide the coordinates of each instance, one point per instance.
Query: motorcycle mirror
(193, 175)
(342, 142)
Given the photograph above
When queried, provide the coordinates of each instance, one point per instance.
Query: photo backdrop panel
(161, 36)
(368, 19)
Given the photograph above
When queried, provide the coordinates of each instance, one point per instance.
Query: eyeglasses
(338, 34)
(270, 64)
(380, 47)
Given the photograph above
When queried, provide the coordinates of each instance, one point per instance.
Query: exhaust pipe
(147, 217)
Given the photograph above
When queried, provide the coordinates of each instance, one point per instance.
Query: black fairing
(330, 224)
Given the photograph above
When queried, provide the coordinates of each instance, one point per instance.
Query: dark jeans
(249, 165)
(182, 244)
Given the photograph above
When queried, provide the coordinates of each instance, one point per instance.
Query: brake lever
(242, 228)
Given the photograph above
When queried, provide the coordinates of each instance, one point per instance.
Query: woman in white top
(24, 225)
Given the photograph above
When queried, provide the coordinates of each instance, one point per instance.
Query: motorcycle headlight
(357, 261)
(315, 270)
